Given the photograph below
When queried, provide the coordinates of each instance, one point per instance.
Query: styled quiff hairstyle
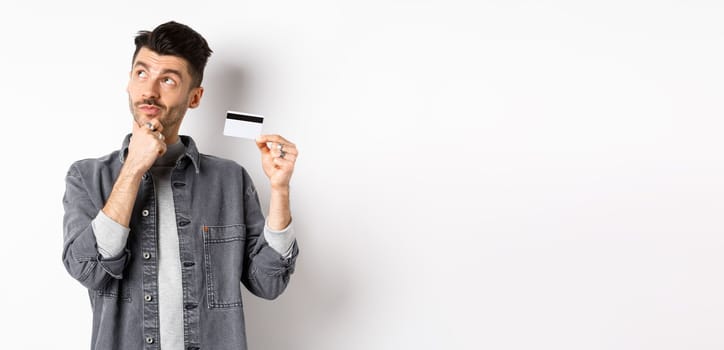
(176, 39)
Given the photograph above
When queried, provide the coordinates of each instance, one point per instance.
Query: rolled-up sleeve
(268, 269)
(81, 256)
(281, 241)
(111, 236)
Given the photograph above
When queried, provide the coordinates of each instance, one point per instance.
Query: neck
(172, 139)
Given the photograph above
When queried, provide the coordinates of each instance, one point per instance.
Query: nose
(149, 89)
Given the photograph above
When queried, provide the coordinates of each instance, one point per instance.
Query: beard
(168, 116)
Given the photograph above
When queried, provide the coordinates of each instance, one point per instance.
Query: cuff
(281, 241)
(111, 236)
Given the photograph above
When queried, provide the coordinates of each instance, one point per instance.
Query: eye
(169, 81)
(141, 74)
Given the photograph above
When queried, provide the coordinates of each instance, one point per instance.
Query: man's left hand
(278, 156)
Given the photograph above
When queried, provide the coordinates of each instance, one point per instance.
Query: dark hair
(176, 39)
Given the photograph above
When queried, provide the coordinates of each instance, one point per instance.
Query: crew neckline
(173, 153)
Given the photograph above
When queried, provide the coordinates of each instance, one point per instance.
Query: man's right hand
(147, 144)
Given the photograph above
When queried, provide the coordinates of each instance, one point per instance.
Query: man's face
(160, 88)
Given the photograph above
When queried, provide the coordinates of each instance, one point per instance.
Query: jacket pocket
(223, 262)
(115, 289)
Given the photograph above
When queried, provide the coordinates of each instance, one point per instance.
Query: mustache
(150, 102)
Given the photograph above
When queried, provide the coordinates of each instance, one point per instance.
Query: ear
(195, 97)
(128, 86)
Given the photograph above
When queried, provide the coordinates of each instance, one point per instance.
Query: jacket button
(178, 184)
(146, 255)
(147, 297)
(144, 212)
(149, 340)
(189, 263)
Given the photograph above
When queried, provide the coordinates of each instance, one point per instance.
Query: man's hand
(146, 145)
(278, 156)
(278, 159)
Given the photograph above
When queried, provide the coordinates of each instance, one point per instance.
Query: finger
(287, 147)
(262, 146)
(145, 128)
(286, 155)
(281, 148)
(141, 128)
(148, 125)
(145, 125)
(284, 164)
(274, 138)
(153, 125)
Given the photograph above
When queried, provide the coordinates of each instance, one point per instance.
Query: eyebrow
(165, 71)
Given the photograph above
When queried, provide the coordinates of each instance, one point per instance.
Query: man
(162, 235)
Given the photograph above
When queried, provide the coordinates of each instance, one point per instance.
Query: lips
(149, 109)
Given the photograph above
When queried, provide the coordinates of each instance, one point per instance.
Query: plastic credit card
(243, 125)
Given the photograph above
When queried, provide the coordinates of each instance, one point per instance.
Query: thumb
(261, 144)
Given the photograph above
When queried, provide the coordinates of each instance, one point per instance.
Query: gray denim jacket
(220, 225)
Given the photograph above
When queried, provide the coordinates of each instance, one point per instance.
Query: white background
(473, 175)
